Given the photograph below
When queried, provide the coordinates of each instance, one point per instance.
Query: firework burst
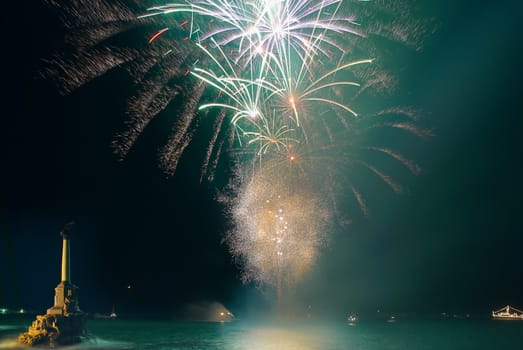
(281, 222)
(276, 49)
(280, 82)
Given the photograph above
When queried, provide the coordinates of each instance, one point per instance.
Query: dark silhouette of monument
(64, 323)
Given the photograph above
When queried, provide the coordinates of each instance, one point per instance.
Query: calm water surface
(171, 335)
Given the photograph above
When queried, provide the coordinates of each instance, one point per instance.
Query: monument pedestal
(55, 330)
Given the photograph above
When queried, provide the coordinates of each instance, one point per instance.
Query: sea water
(440, 334)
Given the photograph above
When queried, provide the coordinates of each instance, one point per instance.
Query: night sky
(452, 243)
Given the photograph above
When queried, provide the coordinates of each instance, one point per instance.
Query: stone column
(66, 258)
(65, 291)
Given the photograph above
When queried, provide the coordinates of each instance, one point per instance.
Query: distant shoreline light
(8, 311)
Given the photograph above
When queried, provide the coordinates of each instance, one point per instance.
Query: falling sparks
(279, 228)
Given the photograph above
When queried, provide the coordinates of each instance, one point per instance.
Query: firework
(260, 27)
(280, 224)
(275, 51)
(281, 83)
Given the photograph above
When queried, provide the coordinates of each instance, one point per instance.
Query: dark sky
(452, 243)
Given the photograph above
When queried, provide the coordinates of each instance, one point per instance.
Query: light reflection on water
(125, 334)
(93, 343)
(168, 335)
(279, 338)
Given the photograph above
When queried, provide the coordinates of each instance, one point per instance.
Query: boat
(352, 318)
(113, 314)
(391, 319)
(507, 313)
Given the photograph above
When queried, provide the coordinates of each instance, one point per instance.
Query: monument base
(55, 330)
(64, 323)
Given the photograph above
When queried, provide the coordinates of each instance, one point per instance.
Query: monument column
(65, 297)
(66, 258)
